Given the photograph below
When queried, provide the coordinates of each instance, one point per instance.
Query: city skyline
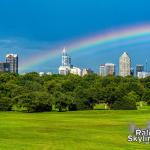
(37, 31)
(107, 68)
(124, 67)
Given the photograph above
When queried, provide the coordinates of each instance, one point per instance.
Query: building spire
(64, 51)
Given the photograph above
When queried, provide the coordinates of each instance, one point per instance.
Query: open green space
(80, 130)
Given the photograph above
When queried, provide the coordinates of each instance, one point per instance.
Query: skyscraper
(107, 69)
(64, 69)
(139, 68)
(66, 60)
(102, 70)
(124, 65)
(12, 59)
(110, 69)
(4, 67)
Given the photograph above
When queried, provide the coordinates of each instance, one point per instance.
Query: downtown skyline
(66, 60)
(125, 67)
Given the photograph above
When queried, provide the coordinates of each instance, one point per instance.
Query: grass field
(81, 130)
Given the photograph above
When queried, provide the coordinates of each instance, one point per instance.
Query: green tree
(62, 101)
(128, 102)
(146, 96)
(5, 104)
(34, 101)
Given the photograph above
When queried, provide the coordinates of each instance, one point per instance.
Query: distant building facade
(4, 67)
(41, 74)
(76, 71)
(107, 69)
(45, 73)
(12, 59)
(141, 75)
(64, 70)
(139, 68)
(132, 71)
(110, 69)
(49, 73)
(102, 70)
(125, 65)
(86, 71)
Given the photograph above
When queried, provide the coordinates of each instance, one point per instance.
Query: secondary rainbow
(128, 34)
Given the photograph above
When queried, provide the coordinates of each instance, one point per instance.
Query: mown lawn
(81, 130)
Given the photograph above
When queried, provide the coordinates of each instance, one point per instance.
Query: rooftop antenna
(146, 65)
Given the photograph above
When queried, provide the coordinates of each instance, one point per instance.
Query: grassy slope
(82, 130)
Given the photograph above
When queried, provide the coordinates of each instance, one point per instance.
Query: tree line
(34, 93)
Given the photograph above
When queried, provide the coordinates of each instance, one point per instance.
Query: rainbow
(129, 35)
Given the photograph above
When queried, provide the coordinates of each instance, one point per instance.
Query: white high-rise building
(66, 60)
(64, 69)
(124, 65)
(102, 70)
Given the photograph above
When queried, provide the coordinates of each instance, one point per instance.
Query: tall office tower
(110, 69)
(66, 60)
(107, 69)
(102, 70)
(65, 68)
(139, 68)
(12, 59)
(124, 65)
(4, 67)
